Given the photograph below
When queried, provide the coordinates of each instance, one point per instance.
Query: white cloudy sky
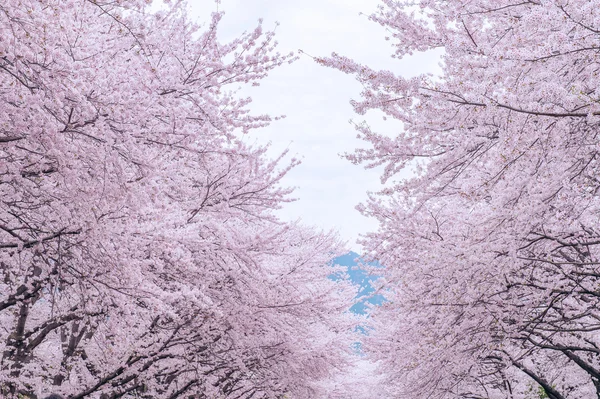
(316, 100)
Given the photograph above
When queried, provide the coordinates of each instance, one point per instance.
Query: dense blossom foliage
(493, 246)
(139, 251)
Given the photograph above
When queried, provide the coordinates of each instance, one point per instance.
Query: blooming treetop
(139, 251)
(492, 245)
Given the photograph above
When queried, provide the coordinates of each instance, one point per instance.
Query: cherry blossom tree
(492, 246)
(140, 254)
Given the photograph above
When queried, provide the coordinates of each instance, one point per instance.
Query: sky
(316, 100)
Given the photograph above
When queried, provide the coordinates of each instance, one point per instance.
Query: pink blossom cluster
(139, 251)
(492, 247)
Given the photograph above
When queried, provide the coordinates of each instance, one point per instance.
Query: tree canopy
(492, 245)
(140, 254)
